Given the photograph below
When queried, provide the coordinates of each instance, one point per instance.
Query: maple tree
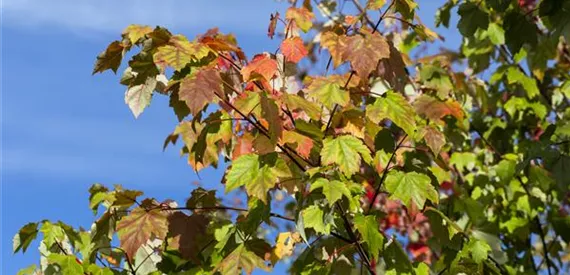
(394, 161)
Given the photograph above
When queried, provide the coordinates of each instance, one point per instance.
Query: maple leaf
(272, 25)
(302, 17)
(296, 103)
(370, 231)
(244, 145)
(434, 139)
(293, 49)
(180, 52)
(395, 107)
(333, 190)
(284, 245)
(346, 152)
(364, 52)
(375, 4)
(304, 143)
(257, 173)
(110, 58)
(410, 188)
(328, 91)
(313, 218)
(189, 234)
(135, 229)
(262, 65)
(435, 109)
(200, 88)
(336, 45)
(241, 259)
(270, 113)
(135, 32)
(393, 69)
(138, 97)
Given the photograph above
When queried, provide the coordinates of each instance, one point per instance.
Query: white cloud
(114, 15)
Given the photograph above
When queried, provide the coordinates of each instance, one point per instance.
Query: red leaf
(293, 49)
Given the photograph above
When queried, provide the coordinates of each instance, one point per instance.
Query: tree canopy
(388, 156)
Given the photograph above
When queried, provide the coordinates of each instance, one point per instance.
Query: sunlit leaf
(135, 229)
(411, 188)
(345, 151)
(396, 108)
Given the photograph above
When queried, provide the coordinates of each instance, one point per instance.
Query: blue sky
(63, 129)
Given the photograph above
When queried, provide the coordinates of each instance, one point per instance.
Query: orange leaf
(262, 65)
(136, 229)
(304, 143)
(335, 44)
(293, 49)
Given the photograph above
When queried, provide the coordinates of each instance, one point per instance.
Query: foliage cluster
(393, 160)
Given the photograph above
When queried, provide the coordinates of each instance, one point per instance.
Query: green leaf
(138, 97)
(30, 270)
(411, 188)
(24, 237)
(257, 173)
(68, 263)
(313, 218)
(479, 250)
(297, 103)
(472, 18)
(180, 52)
(514, 75)
(346, 152)
(52, 233)
(396, 258)
(496, 34)
(96, 270)
(370, 231)
(506, 170)
(240, 260)
(333, 190)
(519, 31)
(110, 59)
(328, 92)
(463, 160)
(396, 108)
(135, 229)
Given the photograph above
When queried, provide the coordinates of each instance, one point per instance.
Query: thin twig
(385, 173)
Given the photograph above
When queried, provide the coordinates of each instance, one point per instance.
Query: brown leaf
(136, 229)
(393, 69)
(293, 49)
(261, 66)
(434, 139)
(200, 88)
(272, 25)
(189, 234)
(435, 109)
(364, 52)
(110, 59)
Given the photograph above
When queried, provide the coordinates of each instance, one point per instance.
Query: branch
(385, 173)
(354, 239)
(362, 11)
